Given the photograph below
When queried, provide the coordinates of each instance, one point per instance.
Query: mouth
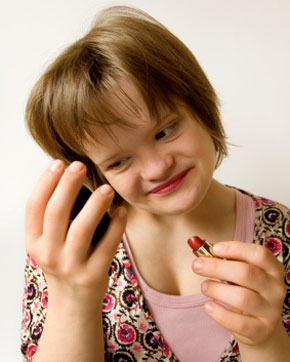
(171, 184)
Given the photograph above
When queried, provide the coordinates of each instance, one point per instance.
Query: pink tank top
(182, 321)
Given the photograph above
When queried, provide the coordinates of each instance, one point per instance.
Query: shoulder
(272, 229)
(264, 202)
(273, 213)
(272, 225)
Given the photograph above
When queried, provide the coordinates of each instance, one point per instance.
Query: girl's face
(163, 168)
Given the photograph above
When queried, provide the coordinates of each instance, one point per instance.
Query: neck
(213, 218)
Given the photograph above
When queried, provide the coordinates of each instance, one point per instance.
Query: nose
(156, 167)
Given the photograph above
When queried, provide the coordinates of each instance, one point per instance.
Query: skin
(75, 275)
(141, 159)
(254, 313)
(150, 154)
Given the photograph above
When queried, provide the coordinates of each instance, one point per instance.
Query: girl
(131, 114)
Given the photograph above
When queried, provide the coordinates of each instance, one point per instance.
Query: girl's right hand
(71, 267)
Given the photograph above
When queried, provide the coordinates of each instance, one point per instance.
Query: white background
(243, 46)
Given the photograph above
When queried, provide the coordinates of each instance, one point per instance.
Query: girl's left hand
(254, 296)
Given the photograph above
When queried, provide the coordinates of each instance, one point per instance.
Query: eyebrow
(162, 119)
(156, 125)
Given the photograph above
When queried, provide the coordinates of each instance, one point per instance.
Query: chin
(177, 207)
(187, 202)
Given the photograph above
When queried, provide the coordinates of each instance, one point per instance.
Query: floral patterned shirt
(130, 333)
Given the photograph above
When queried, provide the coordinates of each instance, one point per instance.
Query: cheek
(124, 185)
(203, 151)
(208, 149)
(199, 146)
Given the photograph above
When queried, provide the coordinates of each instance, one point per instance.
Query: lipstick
(199, 247)
(202, 248)
(170, 185)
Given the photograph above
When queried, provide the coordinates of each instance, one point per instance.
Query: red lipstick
(170, 185)
(202, 248)
(199, 247)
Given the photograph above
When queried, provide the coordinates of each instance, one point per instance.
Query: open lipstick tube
(199, 247)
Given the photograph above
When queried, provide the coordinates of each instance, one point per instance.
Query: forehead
(123, 106)
(128, 104)
(133, 120)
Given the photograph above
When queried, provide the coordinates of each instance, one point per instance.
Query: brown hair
(123, 42)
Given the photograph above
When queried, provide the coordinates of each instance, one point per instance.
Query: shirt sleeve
(286, 261)
(273, 231)
(34, 307)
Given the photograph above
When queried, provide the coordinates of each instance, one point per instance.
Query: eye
(165, 131)
(118, 164)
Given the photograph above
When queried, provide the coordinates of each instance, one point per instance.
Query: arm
(254, 298)
(76, 275)
(71, 333)
(72, 322)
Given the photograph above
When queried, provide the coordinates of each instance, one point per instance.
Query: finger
(105, 250)
(37, 202)
(253, 254)
(83, 227)
(246, 327)
(236, 272)
(238, 298)
(56, 218)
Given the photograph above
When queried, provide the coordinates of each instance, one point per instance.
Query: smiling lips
(170, 185)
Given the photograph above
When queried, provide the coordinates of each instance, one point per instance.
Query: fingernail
(209, 308)
(56, 165)
(218, 248)
(204, 286)
(198, 264)
(105, 189)
(76, 166)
